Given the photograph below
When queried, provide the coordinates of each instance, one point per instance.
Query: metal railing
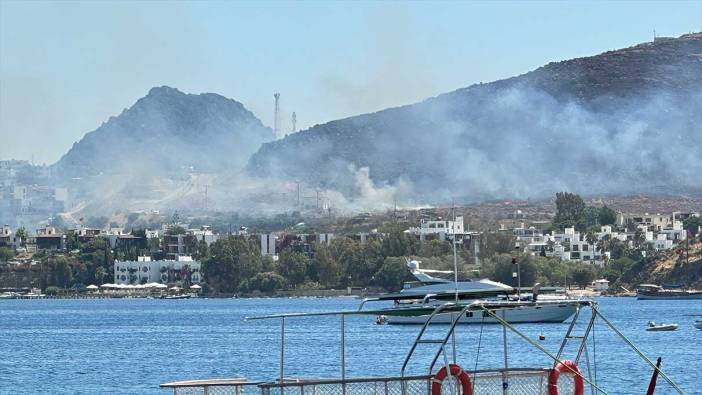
(484, 382)
(236, 386)
(350, 386)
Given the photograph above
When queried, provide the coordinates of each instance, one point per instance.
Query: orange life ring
(568, 367)
(456, 371)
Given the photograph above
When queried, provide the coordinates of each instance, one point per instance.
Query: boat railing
(235, 386)
(520, 381)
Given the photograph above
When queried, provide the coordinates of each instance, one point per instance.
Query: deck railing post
(505, 383)
(343, 356)
(282, 354)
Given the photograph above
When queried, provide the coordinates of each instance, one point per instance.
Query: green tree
(293, 266)
(692, 224)
(100, 274)
(391, 274)
(328, 270)
(497, 243)
(396, 243)
(62, 276)
(582, 274)
(72, 242)
(501, 269)
(435, 248)
(232, 260)
(94, 254)
(620, 265)
(618, 248)
(348, 254)
(268, 264)
(369, 259)
(267, 282)
(570, 211)
(6, 254)
(22, 234)
(591, 216)
(607, 216)
(174, 230)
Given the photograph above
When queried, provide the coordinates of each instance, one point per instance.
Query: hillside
(625, 121)
(670, 268)
(166, 132)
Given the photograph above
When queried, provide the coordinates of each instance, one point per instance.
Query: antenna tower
(276, 116)
(294, 122)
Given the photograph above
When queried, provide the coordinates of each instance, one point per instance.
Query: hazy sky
(65, 67)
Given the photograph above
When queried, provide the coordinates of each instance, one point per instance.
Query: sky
(66, 67)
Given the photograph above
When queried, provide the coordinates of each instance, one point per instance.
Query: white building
(601, 285)
(144, 270)
(204, 234)
(528, 235)
(440, 228)
(268, 244)
(8, 239)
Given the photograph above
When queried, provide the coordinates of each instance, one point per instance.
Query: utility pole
(276, 115)
(518, 275)
(298, 193)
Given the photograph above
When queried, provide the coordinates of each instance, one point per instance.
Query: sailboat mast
(455, 259)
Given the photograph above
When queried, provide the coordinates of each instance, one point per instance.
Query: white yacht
(430, 291)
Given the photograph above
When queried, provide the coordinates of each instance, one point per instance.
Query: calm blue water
(131, 345)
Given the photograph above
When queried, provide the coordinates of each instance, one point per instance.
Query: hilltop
(169, 132)
(624, 121)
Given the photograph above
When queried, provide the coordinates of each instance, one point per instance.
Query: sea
(130, 346)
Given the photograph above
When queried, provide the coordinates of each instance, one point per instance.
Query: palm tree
(591, 239)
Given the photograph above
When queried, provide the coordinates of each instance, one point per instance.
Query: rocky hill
(672, 267)
(625, 121)
(166, 132)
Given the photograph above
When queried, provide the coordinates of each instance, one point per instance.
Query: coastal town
(592, 249)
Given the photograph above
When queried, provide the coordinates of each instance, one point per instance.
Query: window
(586, 247)
(145, 269)
(575, 247)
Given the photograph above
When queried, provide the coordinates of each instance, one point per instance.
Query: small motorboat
(698, 324)
(653, 327)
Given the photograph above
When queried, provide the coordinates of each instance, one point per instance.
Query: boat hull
(553, 313)
(695, 295)
(662, 328)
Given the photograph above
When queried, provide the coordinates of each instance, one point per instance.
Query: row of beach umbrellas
(139, 286)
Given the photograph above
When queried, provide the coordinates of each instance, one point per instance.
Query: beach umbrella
(92, 287)
(195, 286)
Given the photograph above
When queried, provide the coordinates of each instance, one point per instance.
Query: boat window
(469, 314)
